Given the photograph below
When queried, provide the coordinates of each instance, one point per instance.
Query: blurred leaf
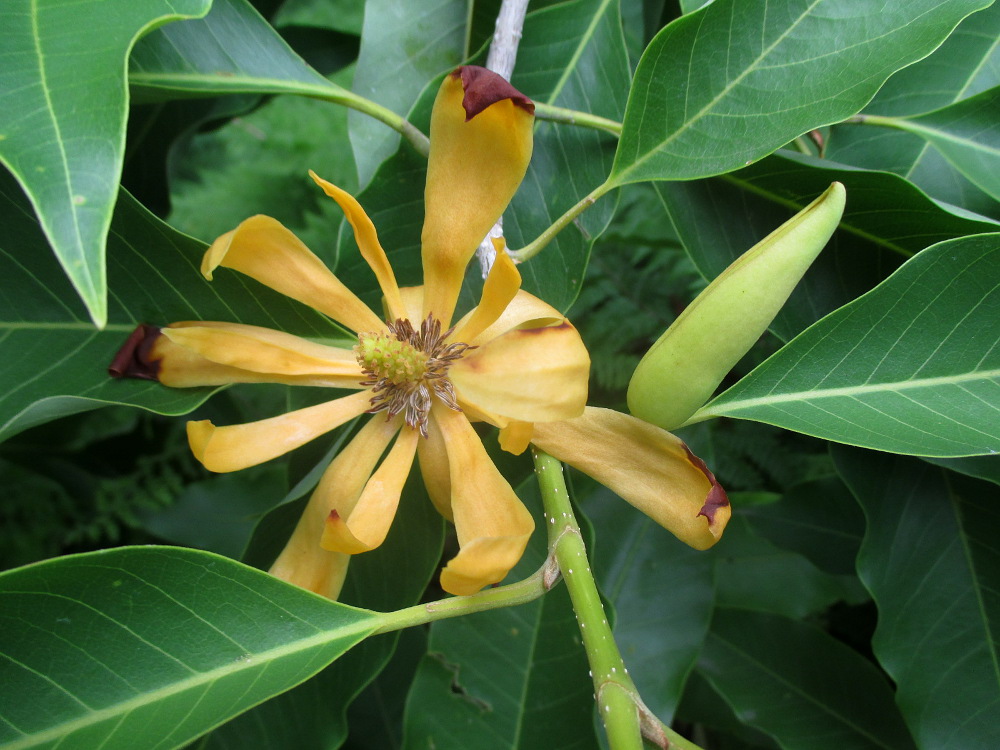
(799, 685)
(966, 63)
(62, 140)
(981, 467)
(515, 675)
(886, 220)
(932, 563)
(56, 363)
(231, 50)
(402, 49)
(820, 520)
(905, 368)
(786, 70)
(703, 705)
(967, 136)
(342, 15)
(663, 595)
(151, 647)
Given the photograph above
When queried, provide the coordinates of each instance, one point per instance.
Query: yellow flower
(513, 362)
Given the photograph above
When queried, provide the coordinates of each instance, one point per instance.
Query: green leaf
(967, 136)
(56, 362)
(662, 592)
(694, 111)
(886, 220)
(231, 50)
(401, 50)
(907, 368)
(515, 675)
(151, 647)
(64, 104)
(932, 563)
(799, 685)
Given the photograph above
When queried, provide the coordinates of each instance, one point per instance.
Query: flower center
(406, 367)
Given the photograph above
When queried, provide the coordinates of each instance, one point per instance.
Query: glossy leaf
(232, 49)
(800, 685)
(151, 647)
(65, 141)
(786, 70)
(517, 676)
(932, 563)
(887, 219)
(56, 363)
(910, 367)
(401, 51)
(967, 136)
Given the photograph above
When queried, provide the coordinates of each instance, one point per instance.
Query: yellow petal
(525, 310)
(493, 525)
(364, 525)
(286, 357)
(236, 447)
(481, 130)
(528, 374)
(432, 455)
(647, 466)
(368, 244)
(515, 437)
(303, 561)
(499, 290)
(265, 250)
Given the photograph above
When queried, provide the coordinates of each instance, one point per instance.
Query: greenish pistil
(406, 367)
(387, 358)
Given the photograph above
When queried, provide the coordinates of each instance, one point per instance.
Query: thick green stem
(575, 117)
(502, 596)
(533, 248)
(626, 718)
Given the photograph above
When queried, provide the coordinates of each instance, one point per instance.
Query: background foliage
(853, 602)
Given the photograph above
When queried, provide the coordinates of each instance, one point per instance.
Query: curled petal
(499, 290)
(236, 447)
(493, 525)
(524, 310)
(481, 131)
(516, 436)
(528, 374)
(363, 525)
(368, 244)
(282, 356)
(647, 466)
(263, 249)
(303, 561)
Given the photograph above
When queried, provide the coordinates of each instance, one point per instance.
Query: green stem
(400, 124)
(533, 248)
(502, 596)
(574, 117)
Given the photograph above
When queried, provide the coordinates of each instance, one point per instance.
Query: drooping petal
(303, 561)
(361, 526)
(368, 244)
(499, 290)
(525, 310)
(432, 456)
(481, 131)
(528, 374)
(266, 351)
(516, 436)
(236, 447)
(493, 525)
(647, 466)
(263, 249)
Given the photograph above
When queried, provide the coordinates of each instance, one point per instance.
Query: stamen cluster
(406, 366)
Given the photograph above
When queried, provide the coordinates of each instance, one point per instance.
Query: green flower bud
(683, 368)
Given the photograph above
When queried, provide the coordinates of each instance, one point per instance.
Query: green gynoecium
(681, 371)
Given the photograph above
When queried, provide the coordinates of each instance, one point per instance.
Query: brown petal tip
(484, 87)
(132, 360)
(717, 498)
